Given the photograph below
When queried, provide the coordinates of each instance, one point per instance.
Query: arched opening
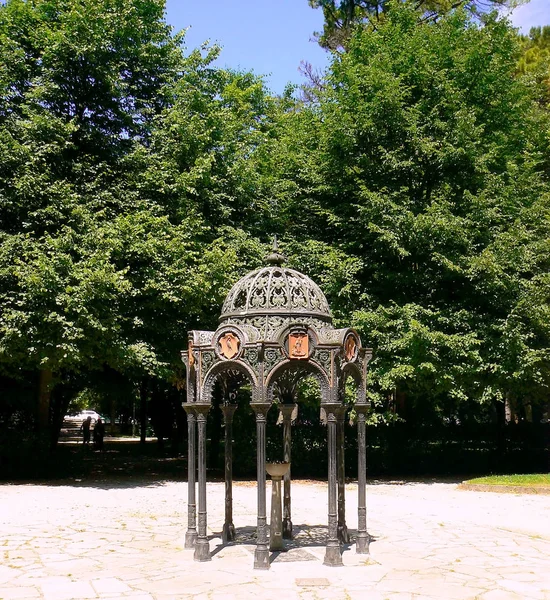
(234, 389)
(299, 385)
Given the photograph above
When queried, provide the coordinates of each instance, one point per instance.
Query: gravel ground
(124, 538)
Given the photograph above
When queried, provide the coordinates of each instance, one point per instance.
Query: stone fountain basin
(277, 469)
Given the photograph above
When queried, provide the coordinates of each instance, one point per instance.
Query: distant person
(85, 428)
(99, 433)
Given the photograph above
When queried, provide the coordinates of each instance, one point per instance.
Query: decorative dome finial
(275, 258)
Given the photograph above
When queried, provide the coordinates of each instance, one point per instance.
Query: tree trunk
(528, 408)
(500, 434)
(510, 414)
(60, 405)
(143, 393)
(44, 398)
(112, 408)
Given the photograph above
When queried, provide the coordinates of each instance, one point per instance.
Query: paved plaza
(125, 540)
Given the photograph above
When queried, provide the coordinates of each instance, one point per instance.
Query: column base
(287, 529)
(362, 543)
(276, 544)
(261, 558)
(343, 534)
(333, 557)
(190, 539)
(228, 532)
(202, 551)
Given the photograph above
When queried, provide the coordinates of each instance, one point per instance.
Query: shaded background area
(401, 449)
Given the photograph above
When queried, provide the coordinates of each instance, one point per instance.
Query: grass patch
(532, 480)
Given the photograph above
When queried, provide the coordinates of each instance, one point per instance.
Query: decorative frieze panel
(252, 357)
(272, 357)
(323, 358)
(208, 359)
(201, 338)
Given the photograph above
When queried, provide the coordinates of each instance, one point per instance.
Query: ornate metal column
(202, 546)
(333, 557)
(343, 534)
(362, 546)
(261, 554)
(287, 410)
(228, 532)
(191, 533)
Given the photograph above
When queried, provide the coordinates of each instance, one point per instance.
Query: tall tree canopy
(341, 16)
(535, 60)
(137, 180)
(123, 160)
(423, 167)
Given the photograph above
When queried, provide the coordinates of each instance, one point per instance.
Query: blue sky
(271, 37)
(536, 12)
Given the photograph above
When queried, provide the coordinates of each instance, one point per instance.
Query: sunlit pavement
(124, 539)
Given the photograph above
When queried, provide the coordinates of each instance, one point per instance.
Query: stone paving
(125, 540)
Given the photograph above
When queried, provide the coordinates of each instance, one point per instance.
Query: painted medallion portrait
(298, 345)
(229, 345)
(350, 348)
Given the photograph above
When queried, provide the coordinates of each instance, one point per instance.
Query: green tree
(121, 190)
(422, 169)
(535, 61)
(343, 15)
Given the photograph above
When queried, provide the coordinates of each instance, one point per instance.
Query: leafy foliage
(137, 183)
(423, 162)
(535, 61)
(342, 16)
(124, 165)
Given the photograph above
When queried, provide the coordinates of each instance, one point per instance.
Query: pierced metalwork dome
(276, 291)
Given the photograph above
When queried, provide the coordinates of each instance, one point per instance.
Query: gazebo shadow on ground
(304, 537)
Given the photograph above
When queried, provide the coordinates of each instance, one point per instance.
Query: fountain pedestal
(277, 472)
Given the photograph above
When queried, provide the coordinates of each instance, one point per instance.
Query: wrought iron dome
(275, 290)
(272, 296)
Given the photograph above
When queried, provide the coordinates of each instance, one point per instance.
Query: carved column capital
(201, 410)
(287, 410)
(361, 411)
(341, 413)
(331, 409)
(190, 411)
(261, 409)
(228, 410)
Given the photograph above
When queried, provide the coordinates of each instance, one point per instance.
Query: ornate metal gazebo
(275, 328)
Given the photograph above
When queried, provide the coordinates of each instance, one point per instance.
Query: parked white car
(83, 415)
